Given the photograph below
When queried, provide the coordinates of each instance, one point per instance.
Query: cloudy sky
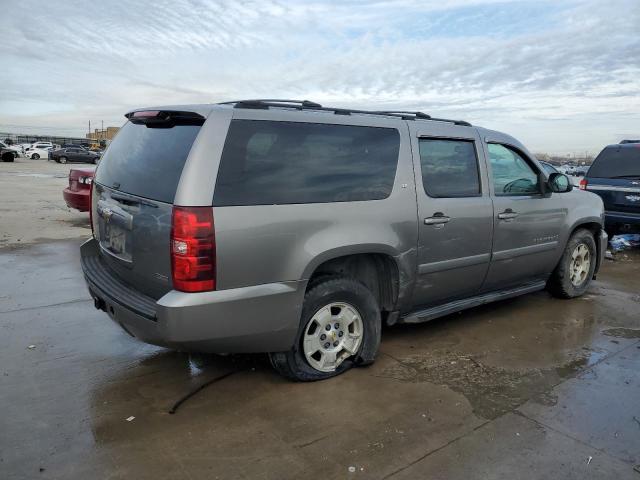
(562, 76)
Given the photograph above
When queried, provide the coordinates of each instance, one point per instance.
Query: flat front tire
(339, 328)
(574, 272)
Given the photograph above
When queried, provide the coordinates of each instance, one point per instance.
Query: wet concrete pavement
(532, 387)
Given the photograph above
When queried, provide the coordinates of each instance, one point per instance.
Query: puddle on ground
(35, 175)
(622, 333)
(492, 391)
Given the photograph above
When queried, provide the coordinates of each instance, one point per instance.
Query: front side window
(449, 168)
(511, 173)
(268, 163)
(548, 168)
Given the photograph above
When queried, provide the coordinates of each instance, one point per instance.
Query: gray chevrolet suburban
(295, 229)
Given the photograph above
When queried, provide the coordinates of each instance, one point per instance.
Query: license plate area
(116, 242)
(115, 231)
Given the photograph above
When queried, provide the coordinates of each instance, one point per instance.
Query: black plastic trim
(101, 280)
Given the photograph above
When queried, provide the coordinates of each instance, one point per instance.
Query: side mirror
(559, 183)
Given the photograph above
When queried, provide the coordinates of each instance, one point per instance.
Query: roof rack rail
(624, 142)
(267, 102)
(455, 122)
(410, 115)
(306, 104)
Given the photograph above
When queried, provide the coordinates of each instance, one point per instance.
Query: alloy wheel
(580, 264)
(332, 335)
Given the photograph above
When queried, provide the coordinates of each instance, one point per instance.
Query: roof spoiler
(164, 118)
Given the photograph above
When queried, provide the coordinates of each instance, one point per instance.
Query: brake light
(146, 114)
(583, 184)
(193, 249)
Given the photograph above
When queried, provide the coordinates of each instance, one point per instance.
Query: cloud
(518, 66)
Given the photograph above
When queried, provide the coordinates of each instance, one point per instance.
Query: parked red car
(77, 193)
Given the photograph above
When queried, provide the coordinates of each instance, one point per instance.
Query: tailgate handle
(508, 214)
(129, 201)
(437, 219)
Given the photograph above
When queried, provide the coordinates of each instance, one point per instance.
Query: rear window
(617, 162)
(147, 161)
(266, 163)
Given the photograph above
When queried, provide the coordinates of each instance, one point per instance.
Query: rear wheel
(63, 160)
(340, 328)
(8, 157)
(572, 276)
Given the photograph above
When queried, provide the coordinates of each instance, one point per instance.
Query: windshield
(147, 161)
(617, 162)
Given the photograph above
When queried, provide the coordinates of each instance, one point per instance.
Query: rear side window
(147, 161)
(617, 162)
(266, 163)
(449, 168)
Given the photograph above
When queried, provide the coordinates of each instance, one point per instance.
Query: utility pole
(102, 128)
(89, 137)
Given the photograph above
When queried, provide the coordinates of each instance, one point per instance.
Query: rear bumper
(624, 220)
(78, 199)
(261, 318)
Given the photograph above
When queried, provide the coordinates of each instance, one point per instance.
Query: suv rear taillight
(583, 184)
(193, 249)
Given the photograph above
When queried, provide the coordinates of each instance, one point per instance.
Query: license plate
(117, 240)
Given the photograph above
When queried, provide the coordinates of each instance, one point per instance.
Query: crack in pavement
(78, 300)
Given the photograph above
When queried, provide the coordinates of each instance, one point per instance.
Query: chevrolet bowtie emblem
(106, 214)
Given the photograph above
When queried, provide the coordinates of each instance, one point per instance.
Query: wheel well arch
(379, 272)
(593, 227)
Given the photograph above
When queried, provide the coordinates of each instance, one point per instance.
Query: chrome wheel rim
(333, 334)
(580, 264)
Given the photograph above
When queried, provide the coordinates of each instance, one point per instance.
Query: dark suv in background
(615, 176)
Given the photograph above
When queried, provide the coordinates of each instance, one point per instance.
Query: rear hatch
(615, 176)
(135, 186)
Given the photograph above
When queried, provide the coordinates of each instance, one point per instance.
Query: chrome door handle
(437, 219)
(508, 214)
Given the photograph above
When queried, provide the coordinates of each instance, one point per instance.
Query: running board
(458, 305)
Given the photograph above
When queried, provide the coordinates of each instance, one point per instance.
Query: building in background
(102, 136)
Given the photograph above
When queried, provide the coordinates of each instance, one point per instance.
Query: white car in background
(36, 153)
(42, 145)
